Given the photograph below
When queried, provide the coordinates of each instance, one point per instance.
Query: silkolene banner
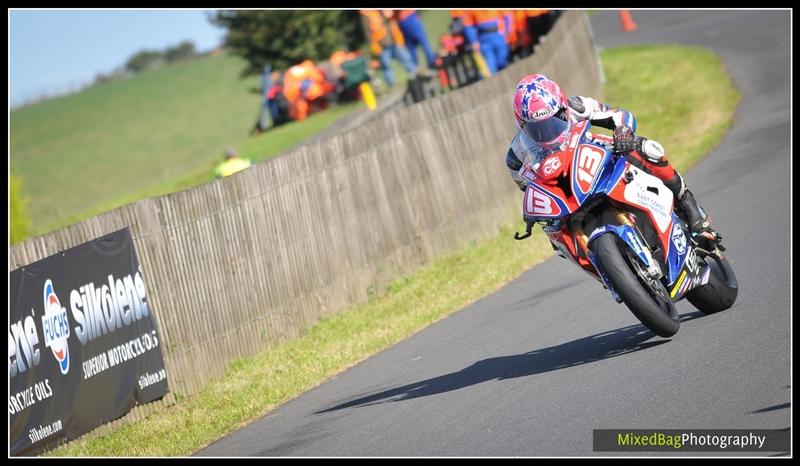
(83, 348)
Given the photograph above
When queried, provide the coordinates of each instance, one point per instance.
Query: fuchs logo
(56, 327)
(678, 239)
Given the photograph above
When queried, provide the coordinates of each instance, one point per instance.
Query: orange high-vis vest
(338, 57)
(295, 75)
(521, 25)
(533, 13)
(377, 26)
(512, 36)
(485, 18)
(477, 17)
(394, 26)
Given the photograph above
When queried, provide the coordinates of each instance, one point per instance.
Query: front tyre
(721, 290)
(647, 299)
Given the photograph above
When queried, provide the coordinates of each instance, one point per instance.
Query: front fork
(627, 232)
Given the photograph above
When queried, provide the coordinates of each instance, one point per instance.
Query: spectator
(275, 109)
(485, 30)
(509, 31)
(537, 26)
(278, 105)
(462, 65)
(386, 42)
(232, 164)
(306, 88)
(353, 79)
(521, 38)
(336, 59)
(414, 35)
(339, 72)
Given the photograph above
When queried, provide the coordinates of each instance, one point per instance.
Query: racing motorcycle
(616, 222)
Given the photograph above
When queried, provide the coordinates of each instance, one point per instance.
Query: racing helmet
(540, 111)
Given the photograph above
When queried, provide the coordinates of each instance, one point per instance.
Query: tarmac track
(533, 368)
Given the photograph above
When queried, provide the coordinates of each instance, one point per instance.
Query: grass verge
(640, 79)
(125, 135)
(682, 96)
(262, 147)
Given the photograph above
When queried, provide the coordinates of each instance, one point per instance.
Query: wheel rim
(653, 286)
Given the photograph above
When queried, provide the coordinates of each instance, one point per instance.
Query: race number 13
(539, 204)
(589, 159)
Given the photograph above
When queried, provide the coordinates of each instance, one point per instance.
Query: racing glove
(625, 141)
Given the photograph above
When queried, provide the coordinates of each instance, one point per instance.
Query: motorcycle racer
(545, 117)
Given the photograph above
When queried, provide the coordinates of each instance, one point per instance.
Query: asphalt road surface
(533, 368)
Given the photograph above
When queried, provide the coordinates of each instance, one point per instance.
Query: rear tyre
(647, 299)
(721, 290)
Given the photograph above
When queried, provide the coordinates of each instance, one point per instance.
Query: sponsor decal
(55, 326)
(528, 174)
(651, 203)
(107, 307)
(691, 261)
(96, 311)
(551, 165)
(542, 112)
(659, 204)
(678, 239)
(635, 242)
(597, 232)
(687, 285)
(678, 284)
(88, 307)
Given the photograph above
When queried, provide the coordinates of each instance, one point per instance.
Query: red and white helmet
(538, 105)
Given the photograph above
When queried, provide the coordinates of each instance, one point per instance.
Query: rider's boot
(696, 217)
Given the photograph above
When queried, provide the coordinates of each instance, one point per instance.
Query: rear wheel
(647, 298)
(721, 290)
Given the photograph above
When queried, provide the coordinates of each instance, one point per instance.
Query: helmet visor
(546, 130)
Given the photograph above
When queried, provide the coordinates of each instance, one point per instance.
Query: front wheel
(721, 290)
(648, 299)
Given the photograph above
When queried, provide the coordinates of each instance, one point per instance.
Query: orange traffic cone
(627, 21)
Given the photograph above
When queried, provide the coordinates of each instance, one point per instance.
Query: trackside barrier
(242, 263)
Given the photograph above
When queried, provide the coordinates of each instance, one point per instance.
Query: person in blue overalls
(485, 30)
(414, 34)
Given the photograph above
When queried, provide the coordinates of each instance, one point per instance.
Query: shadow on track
(772, 408)
(574, 353)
